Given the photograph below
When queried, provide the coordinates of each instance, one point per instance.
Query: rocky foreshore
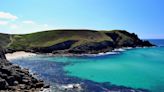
(15, 79)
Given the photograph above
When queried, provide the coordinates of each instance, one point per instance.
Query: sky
(143, 17)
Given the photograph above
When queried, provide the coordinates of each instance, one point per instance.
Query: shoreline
(24, 54)
(19, 54)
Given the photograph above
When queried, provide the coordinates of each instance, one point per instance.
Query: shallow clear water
(137, 68)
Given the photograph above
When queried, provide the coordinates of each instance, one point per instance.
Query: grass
(4, 40)
(49, 38)
(52, 37)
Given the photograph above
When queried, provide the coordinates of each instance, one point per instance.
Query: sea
(138, 68)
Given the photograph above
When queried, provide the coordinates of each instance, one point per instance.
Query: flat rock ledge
(15, 79)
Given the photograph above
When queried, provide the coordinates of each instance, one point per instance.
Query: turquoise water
(137, 68)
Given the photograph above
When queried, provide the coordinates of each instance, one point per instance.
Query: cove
(136, 68)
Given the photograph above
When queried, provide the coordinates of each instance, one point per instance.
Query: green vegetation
(49, 38)
(4, 40)
(83, 40)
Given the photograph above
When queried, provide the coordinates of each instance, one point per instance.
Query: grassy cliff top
(52, 37)
(48, 38)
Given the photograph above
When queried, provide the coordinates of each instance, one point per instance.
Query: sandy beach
(19, 54)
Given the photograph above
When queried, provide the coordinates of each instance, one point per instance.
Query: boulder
(22, 86)
(10, 80)
(6, 70)
(39, 85)
(3, 84)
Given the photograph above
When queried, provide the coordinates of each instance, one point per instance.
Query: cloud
(28, 22)
(6, 15)
(13, 26)
(3, 22)
(45, 25)
(33, 23)
(19, 25)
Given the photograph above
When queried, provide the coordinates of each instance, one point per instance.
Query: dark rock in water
(46, 86)
(39, 84)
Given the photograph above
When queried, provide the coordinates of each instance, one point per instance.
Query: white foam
(128, 48)
(101, 54)
(71, 86)
(119, 50)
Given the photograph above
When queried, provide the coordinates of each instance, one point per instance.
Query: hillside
(4, 39)
(71, 41)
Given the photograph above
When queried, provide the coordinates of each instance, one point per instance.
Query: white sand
(19, 54)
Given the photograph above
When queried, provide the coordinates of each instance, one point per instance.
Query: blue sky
(143, 17)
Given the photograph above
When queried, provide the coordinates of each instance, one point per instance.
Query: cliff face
(93, 47)
(2, 54)
(73, 41)
(15, 79)
(126, 39)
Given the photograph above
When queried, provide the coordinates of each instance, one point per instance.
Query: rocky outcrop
(2, 54)
(93, 47)
(15, 79)
(126, 39)
(60, 46)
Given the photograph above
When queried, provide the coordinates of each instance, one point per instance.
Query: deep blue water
(158, 42)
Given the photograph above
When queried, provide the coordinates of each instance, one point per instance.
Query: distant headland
(71, 41)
